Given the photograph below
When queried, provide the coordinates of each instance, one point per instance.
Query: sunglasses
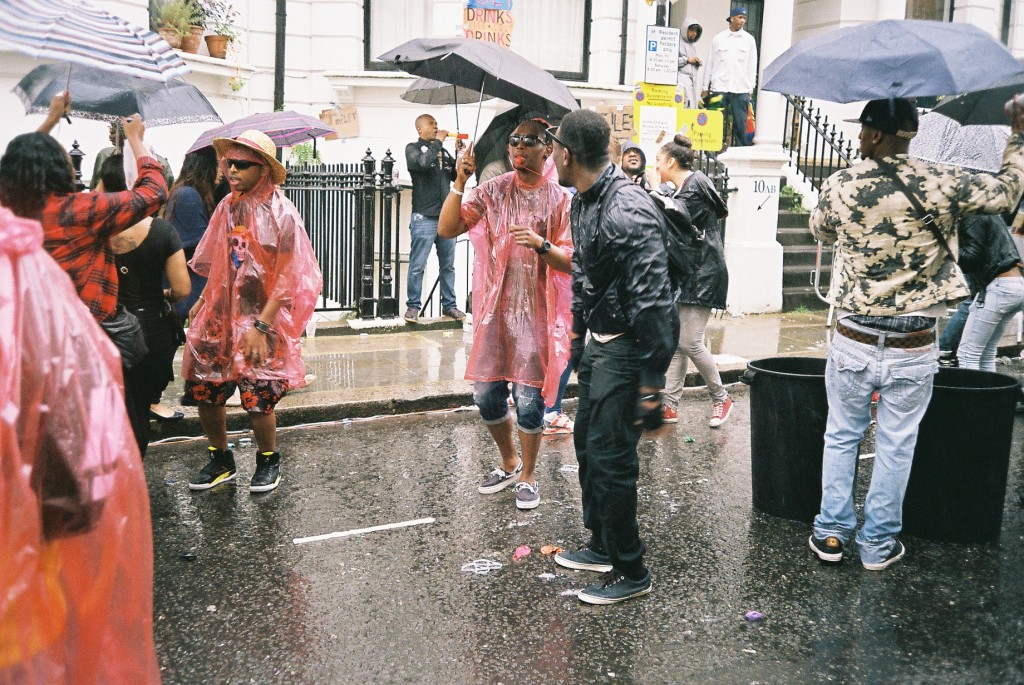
(552, 136)
(241, 164)
(527, 140)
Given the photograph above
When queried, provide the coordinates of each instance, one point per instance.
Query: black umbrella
(485, 68)
(98, 94)
(425, 91)
(890, 59)
(982, 106)
(493, 142)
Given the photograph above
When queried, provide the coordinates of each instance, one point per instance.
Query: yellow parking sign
(703, 127)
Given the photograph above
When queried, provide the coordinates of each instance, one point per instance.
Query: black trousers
(606, 441)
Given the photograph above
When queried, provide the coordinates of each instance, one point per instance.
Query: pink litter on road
(521, 551)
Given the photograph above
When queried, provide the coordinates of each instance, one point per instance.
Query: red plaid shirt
(77, 228)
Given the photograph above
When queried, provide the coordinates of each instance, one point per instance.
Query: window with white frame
(553, 35)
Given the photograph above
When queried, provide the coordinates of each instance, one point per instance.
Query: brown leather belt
(899, 340)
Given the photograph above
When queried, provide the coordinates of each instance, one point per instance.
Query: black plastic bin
(958, 480)
(788, 411)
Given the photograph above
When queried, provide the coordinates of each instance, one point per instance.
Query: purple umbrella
(284, 128)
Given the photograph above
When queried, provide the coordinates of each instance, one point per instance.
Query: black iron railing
(815, 146)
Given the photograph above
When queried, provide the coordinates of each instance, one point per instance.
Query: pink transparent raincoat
(521, 318)
(254, 249)
(76, 554)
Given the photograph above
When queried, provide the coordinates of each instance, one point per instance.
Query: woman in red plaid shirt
(37, 181)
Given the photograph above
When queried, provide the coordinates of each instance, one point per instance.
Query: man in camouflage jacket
(892, 279)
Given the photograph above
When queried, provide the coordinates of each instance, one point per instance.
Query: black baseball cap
(895, 116)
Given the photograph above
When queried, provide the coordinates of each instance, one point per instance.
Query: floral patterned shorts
(258, 397)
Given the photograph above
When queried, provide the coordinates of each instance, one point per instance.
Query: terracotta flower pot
(190, 43)
(217, 45)
(172, 37)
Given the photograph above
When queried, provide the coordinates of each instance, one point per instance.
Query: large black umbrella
(98, 94)
(485, 68)
(983, 106)
(889, 59)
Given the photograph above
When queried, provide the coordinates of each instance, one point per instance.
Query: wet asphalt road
(236, 601)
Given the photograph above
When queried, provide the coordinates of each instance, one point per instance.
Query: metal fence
(351, 214)
(815, 146)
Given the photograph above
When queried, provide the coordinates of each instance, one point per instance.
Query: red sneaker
(720, 412)
(669, 415)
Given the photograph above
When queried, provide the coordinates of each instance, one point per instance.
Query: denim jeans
(424, 234)
(491, 398)
(903, 378)
(605, 440)
(949, 341)
(736, 107)
(986, 322)
(562, 383)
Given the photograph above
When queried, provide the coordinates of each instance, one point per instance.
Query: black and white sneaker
(527, 496)
(499, 479)
(895, 554)
(829, 548)
(614, 587)
(268, 472)
(219, 469)
(584, 559)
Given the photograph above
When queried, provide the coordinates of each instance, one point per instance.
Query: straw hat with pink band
(252, 146)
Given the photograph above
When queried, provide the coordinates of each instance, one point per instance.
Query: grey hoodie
(688, 49)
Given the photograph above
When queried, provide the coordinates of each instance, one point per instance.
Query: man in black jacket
(623, 296)
(432, 170)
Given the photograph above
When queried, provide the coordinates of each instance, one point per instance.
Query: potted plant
(171, 19)
(221, 17)
(193, 34)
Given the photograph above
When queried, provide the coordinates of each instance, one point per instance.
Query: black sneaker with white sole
(499, 479)
(614, 587)
(828, 548)
(584, 559)
(219, 469)
(895, 554)
(268, 472)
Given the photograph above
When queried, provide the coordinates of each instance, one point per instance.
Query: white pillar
(752, 254)
(985, 14)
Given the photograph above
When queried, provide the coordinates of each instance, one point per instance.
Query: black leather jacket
(986, 249)
(620, 280)
(708, 284)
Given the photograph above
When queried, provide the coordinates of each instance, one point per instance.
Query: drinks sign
(489, 20)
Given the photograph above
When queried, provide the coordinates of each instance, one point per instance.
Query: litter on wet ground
(481, 566)
(521, 551)
(360, 531)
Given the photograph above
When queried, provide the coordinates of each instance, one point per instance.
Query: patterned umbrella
(284, 128)
(940, 139)
(95, 95)
(75, 31)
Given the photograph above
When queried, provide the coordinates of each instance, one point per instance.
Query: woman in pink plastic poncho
(76, 551)
(263, 282)
(519, 226)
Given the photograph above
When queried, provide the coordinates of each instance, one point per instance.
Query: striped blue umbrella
(75, 31)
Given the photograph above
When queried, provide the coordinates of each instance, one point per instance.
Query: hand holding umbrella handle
(1014, 109)
(466, 166)
(59, 106)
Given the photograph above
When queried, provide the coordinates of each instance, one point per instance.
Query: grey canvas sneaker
(527, 496)
(499, 479)
(412, 315)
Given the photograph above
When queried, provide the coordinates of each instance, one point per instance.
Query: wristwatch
(544, 248)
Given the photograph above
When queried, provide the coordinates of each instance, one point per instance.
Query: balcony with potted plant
(179, 22)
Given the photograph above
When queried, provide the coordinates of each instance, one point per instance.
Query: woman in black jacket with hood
(707, 283)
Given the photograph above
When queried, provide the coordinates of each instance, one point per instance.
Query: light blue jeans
(986, 322)
(904, 381)
(423, 230)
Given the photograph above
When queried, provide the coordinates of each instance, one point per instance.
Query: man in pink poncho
(263, 284)
(519, 226)
(76, 589)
